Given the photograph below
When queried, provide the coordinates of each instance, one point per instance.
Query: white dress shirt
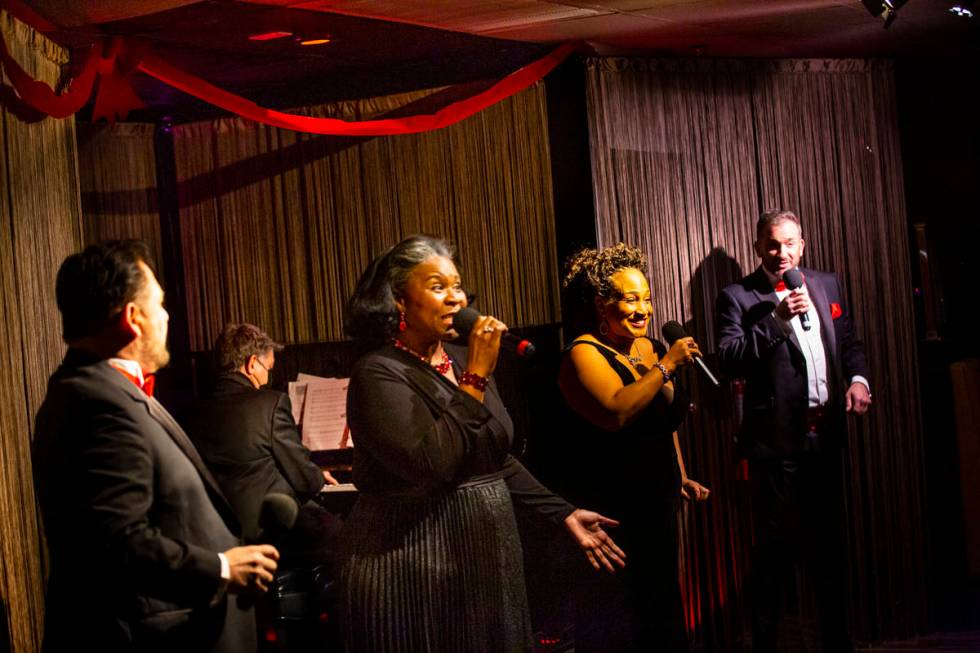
(813, 349)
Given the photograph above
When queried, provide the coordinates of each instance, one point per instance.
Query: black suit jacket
(249, 440)
(753, 345)
(134, 522)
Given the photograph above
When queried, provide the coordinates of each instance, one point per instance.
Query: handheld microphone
(672, 332)
(465, 318)
(277, 515)
(793, 279)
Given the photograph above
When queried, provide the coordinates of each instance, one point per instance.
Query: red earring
(402, 326)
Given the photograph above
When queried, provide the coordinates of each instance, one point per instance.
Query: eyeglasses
(259, 362)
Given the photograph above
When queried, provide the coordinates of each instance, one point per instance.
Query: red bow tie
(149, 381)
(780, 286)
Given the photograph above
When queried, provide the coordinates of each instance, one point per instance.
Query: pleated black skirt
(435, 574)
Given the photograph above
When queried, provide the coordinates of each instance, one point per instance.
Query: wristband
(474, 380)
(663, 370)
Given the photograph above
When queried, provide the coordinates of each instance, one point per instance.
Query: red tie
(780, 286)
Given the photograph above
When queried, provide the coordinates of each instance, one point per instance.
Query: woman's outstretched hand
(600, 549)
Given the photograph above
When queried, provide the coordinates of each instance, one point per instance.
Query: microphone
(465, 318)
(793, 279)
(672, 332)
(277, 515)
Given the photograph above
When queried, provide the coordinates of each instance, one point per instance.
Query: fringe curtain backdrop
(277, 226)
(685, 156)
(40, 220)
(118, 177)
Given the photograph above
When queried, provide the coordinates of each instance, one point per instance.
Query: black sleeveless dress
(631, 475)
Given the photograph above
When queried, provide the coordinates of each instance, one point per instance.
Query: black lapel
(828, 332)
(176, 433)
(818, 297)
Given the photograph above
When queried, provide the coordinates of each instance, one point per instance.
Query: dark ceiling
(385, 46)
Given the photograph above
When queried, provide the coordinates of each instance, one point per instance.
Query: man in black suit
(249, 440)
(142, 544)
(804, 368)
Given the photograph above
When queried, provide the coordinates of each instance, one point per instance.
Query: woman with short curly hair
(624, 406)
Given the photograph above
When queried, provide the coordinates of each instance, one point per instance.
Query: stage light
(886, 9)
(269, 36)
(314, 42)
(962, 12)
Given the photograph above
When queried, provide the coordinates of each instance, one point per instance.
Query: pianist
(250, 443)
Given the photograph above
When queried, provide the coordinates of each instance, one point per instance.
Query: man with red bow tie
(143, 547)
(804, 368)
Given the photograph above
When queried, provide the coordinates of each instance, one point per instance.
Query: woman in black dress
(624, 407)
(433, 560)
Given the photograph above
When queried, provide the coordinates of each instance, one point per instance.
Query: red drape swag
(112, 61)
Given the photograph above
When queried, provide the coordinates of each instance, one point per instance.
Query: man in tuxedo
(249, 440)
(143, 546)
(804, 368)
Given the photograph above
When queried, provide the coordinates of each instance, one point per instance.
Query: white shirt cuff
(863, 381)
(225, 578)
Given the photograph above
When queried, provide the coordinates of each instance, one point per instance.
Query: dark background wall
(938, 107)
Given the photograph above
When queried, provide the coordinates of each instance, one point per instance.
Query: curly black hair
(588, 274)
(372, 317)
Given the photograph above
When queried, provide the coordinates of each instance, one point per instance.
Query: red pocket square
(835, 311)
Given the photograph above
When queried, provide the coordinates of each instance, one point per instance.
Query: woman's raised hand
(484, 344)
(682, 352)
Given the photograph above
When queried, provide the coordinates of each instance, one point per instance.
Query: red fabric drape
(115, 96)
(39, 95)
(448, 115)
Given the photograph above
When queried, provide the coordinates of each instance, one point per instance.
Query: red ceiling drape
(112, 61)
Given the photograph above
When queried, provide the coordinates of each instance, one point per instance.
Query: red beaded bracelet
(472, 379)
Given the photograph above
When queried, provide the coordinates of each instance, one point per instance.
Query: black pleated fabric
(439, 573)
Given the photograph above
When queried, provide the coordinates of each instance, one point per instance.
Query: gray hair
(371, 312)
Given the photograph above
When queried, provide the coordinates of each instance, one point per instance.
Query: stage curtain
(685, 156)
(118, 177)
(276, 226)
(40, 224)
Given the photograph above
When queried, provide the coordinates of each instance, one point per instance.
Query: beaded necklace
(442, 367)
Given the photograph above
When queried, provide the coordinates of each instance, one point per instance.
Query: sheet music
(324, 423)
(297, 397)
(297, 393)
(303, 377)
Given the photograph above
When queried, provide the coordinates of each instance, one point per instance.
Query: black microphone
(465, 318)
(793, 279)
(277, 516)
(672, 332)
